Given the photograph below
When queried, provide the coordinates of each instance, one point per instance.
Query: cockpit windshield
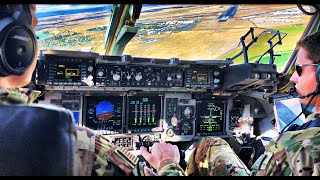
(188, 31)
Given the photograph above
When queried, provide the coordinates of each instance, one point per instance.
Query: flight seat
(37, 141)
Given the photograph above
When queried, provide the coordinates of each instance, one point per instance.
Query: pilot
(98, 156)
(9, 92)
(295, 152)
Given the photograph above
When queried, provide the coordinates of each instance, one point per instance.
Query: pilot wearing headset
(17, 63)
(295, 152)
(12, 77)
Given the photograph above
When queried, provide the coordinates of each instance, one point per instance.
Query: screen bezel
(223, 129)
(123, 113)
(143, 129)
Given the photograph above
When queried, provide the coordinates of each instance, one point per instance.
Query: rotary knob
(179, 76)
(90, 77)
(138, 77)
(170, 132)
(129, 77)
(174, 121)
(90, 68)
(169, 78)
(100, 73)
(216, 81)
(116, 77)
(187, 112)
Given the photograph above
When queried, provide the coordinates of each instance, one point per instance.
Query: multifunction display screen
(144, 112)
(66, 72)
(104, 112)
(210, 117)
(199, 78)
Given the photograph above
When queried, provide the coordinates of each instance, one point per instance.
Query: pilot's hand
(160, 152)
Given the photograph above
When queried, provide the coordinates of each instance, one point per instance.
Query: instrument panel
(136, 76)
(133, 103)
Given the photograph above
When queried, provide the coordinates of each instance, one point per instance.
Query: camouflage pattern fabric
(105, 159)
(214, 157)
(293, 153)
(18, 96)
(170, 168)
(97, 154)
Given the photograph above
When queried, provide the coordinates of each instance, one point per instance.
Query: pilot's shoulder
(295, 141)
(300, 136)
(313, 116)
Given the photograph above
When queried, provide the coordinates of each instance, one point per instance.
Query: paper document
(285, 111)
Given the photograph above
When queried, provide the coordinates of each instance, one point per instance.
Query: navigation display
(210, 117)
(69, 72)
(104, 112)
(198, 78)
(144, 113)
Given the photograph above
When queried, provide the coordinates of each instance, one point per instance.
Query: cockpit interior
(139, 74)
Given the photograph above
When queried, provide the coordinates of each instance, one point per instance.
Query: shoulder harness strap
(309, 124)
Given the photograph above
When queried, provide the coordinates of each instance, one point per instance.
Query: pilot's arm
(93, 150)
(170, 168)
(165, 158)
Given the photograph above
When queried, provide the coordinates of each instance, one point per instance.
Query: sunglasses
(299, 67)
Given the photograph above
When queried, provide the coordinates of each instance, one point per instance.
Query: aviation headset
(17, 40)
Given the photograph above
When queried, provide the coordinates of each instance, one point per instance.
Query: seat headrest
(37, 140)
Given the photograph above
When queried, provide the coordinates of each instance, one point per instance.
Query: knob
(90, 68)
(268, 76)
(170, 133)
(116, 77)
(216, 81)
(174, 121)
(179, 76)
(188, 112)
(100, 73)
(216, 73)
(90, 77)
(169, 78)
(138, 77)
(129, 77)
(256, 76)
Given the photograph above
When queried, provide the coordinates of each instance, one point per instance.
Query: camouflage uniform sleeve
(170, 168)
(99, 157)
(292, 153)
(112, 160)
(85, 146)
(214, 157)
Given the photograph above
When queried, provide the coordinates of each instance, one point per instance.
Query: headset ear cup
(18, 43)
